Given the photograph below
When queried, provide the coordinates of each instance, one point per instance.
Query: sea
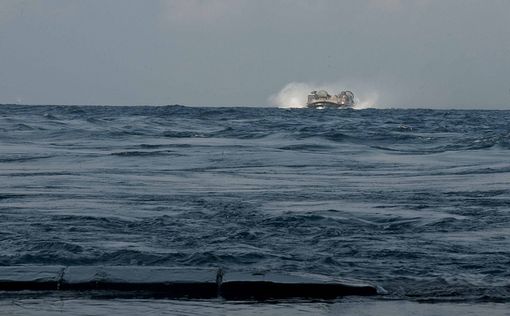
(414, 201)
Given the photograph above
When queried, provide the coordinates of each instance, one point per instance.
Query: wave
(146, 153)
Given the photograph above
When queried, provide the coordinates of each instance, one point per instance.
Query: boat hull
(328, 105)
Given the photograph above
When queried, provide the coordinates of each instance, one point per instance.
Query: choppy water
(416, 201)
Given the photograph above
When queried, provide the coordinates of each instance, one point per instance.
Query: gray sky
(398, 53)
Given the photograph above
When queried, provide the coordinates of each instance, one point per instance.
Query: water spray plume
(367, 100)
(293, 95)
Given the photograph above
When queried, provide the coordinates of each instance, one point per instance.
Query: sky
(390, 53)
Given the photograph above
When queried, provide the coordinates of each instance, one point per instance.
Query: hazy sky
(400, 53)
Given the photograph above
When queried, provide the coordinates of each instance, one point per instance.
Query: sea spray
(293, 95)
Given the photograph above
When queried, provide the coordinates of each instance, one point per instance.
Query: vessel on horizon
(322, 99)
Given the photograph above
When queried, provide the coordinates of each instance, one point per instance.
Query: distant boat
(322, 99)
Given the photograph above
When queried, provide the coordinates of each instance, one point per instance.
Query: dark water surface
(56, 306)
(416, 201)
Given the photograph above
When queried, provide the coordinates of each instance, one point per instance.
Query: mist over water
(294, 95)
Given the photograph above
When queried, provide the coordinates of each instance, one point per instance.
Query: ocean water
(416, 201)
